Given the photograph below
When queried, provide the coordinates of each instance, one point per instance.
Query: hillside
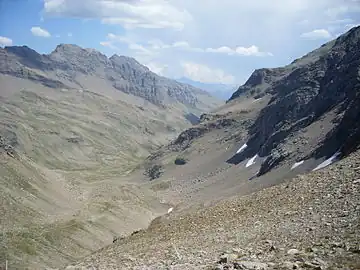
(310, 222)
(253, 185)
(251, 180)
(282, 122)
(73, 125)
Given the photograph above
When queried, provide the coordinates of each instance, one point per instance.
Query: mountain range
(219, 90)
(100, 154)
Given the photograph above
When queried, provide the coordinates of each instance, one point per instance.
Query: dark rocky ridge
(61, 67)
(303, 92)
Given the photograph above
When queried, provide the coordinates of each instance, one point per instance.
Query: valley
(97, 150)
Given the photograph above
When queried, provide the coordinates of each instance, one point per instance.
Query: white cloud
(344, 8)
(108, 44)
(150, 14)
(245, 51)
(69, 34)
(4, 41)
(341, 21)
(157, 67)
(157, 45)
(304, 22)
(139, 49)
(203, 73)
(39, 32)
(317, 34)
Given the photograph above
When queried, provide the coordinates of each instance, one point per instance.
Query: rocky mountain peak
(67, 61)
(67, 48)
(129, 61)
(23, 51)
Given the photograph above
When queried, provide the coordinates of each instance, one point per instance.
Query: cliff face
(302, 93)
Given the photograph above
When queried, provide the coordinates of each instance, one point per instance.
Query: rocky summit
(68, 64)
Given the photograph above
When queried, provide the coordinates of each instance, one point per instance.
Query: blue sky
(205, 40)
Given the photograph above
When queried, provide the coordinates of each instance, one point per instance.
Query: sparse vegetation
(180, 161)
(154, 171)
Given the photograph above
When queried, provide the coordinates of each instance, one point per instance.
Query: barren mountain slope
(309, 222)
(282, 122)
(68, 140)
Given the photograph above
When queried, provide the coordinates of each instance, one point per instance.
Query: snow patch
(170, 210)
(256, 100)
(251, 161)
(328, 162)
(297, 164)
(242, 148)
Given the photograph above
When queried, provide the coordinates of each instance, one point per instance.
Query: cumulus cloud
(139, 49)
(158, 68)
(157, 45)
(39, 32)
(245, 51)
(130, 14)
(341, 21)
(5, 41)
(203, 73)
(317, 34)
(109, 45)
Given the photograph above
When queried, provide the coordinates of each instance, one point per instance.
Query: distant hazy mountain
(219, 90)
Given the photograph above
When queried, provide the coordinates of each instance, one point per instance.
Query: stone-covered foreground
(310, 222)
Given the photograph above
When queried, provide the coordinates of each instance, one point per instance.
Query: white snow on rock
(328, 162)
(297, 164)
(251, 161)
(255, 100)
(170, 210)
(242, 148)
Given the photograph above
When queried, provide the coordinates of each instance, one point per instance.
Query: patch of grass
(25, 246)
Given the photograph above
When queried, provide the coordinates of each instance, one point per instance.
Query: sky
(210, 41)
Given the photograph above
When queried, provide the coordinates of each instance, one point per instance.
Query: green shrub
(180, 161)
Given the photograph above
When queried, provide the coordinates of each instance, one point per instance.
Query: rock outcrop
(326, 80)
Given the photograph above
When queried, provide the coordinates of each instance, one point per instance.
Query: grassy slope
(66, 193)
